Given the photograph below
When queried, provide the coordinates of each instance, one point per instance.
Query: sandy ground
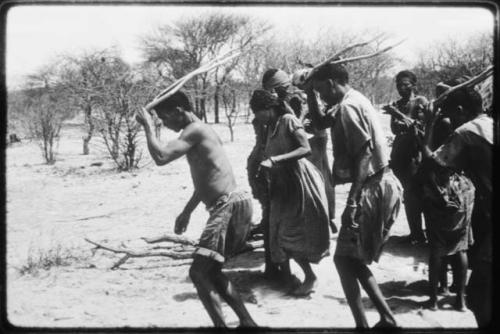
(55, 207)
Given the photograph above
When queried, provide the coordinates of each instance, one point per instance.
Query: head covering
(278, 79)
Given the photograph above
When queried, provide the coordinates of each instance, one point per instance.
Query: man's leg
(435, 263)
(371, 287)
(413, 215)
(348, 278)
(232, 297)
(459, 266)
(201, 273)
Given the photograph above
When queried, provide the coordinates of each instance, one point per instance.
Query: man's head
(275, 80)
(172, 111)
(405, 83)
(462, 106)
(331, 82)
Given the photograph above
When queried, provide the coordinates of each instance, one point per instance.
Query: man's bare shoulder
(199, 131)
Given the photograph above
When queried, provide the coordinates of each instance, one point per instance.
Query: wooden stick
(347, 49)
(471, 82)
(130, 253)
(332, 60)
(172, 238)
(174, 84)
(371, 55)
(182, 81)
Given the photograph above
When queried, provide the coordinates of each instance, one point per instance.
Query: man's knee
(201, 268)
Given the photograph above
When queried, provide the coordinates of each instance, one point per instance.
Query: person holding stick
(405, 154)
(469, 149)
(230, 210)
(373, 203)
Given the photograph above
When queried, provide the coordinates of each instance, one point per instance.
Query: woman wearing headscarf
(298, 206)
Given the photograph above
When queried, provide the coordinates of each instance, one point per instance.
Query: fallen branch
(131, 253)
(176, 255)
(172, 238)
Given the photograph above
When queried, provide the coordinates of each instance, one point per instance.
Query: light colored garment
(227, 228)
(376, 212)
(355, 122)
(298, 203)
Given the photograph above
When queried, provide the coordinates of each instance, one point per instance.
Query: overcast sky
(35, 34)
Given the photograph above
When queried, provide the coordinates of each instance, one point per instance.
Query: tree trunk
(90, 123)
(216, 104)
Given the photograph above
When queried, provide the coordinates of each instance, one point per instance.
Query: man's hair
(178, 99)
(333, 72)
(262, 99)
(468, 98)
(268, 75)
(406, 74)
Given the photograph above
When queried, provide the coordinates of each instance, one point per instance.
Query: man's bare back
(210, 168)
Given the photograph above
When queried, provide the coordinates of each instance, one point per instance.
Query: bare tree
(452, 58)
(47, 108)
(83, 77)
(123, 91)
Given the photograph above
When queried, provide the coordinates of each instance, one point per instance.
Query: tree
(452, 58)
(47, 107)
(123, 92)
(83, 77)
(174, 50)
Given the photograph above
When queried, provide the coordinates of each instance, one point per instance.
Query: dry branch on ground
(182, 250)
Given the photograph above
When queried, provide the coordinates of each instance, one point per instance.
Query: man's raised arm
(319, 118)
(164, 154)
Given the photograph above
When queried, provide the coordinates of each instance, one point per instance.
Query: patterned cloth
(470, 149)
(227, 228)
(376, 212)
(298, 211)
(448, 201)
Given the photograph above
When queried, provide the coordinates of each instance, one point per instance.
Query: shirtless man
(214, 184)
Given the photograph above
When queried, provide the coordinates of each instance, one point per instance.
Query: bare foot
(386, 324)
(306, 288)
(247, 324)
(430, 304)
(459, 304)
(444, 291)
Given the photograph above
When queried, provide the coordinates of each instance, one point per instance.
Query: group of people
(290, 176)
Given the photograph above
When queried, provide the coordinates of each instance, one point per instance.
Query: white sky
(35, 34)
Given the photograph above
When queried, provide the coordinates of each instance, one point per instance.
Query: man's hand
(348, 217)
(143, 117)
(181, 223)
(266, 163)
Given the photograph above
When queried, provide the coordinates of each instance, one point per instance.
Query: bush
(45, 259)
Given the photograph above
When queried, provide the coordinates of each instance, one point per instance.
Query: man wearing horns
(214, 184)
(374, 199)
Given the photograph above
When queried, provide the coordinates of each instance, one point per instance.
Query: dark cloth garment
(376, 212)
(405, 155)
(448, 201)
(470, 149)
(319, 158)
(298, 206)
(480, 292)
(227, 228)
(256, 179)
